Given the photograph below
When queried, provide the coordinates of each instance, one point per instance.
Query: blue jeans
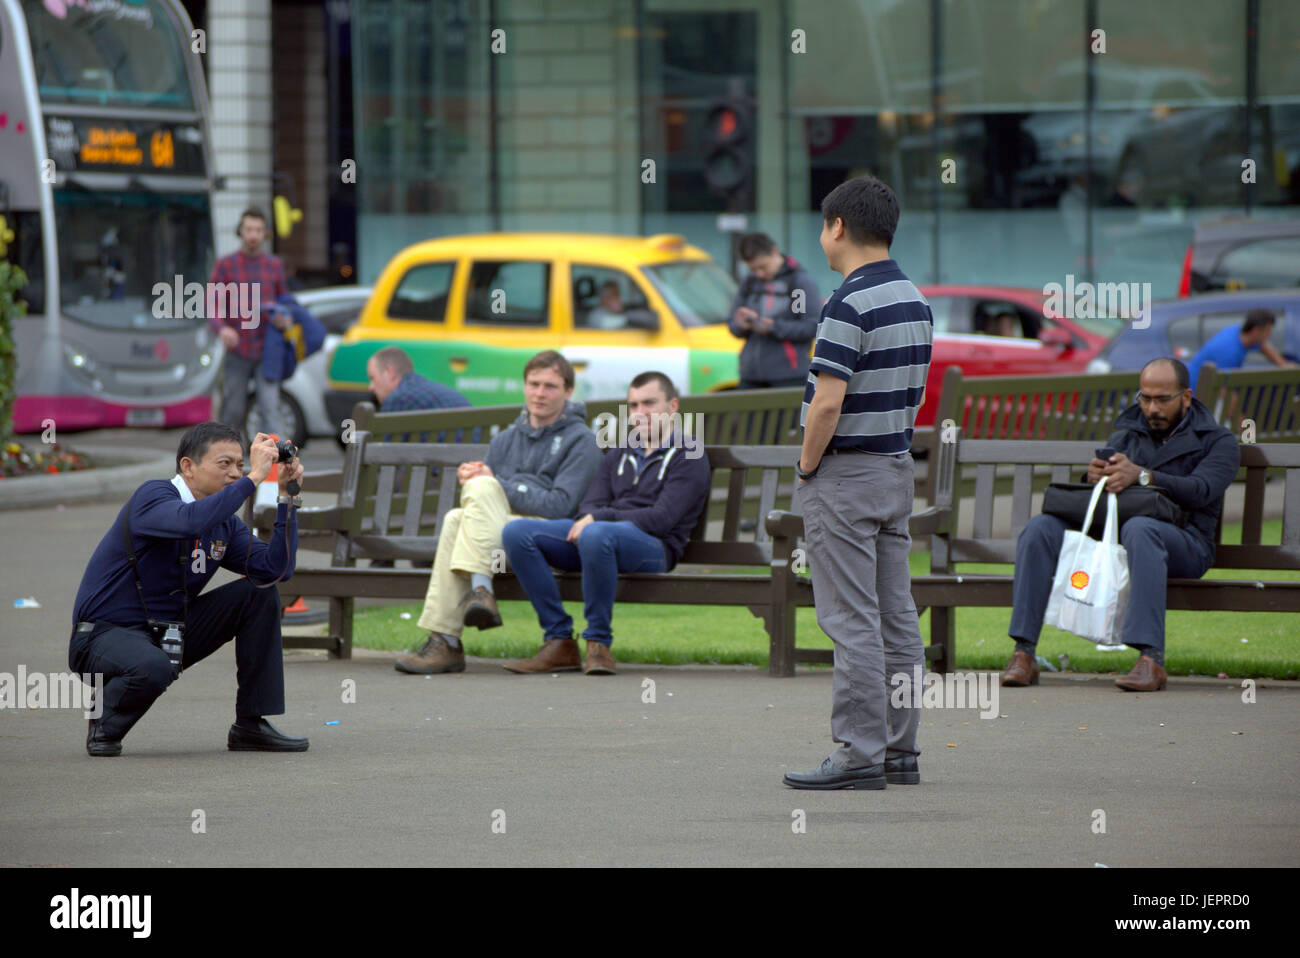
(534, 546)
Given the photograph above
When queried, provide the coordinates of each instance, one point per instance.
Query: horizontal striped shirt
(875, 332)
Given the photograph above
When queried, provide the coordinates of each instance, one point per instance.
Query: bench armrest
(928, 521)
(784, 525)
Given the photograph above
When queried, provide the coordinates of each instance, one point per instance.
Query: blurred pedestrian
(775, 311)
(1228, 347)
(248, 279)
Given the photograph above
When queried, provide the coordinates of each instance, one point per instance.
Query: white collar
(179, 482)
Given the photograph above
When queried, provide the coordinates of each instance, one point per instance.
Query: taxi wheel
(290, 412)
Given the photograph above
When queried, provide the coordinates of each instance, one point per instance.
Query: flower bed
(15, 460)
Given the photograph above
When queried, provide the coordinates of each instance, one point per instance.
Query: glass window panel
(862, 56)
(422, 293)
(508, 294)
(602, 297)
(1001, 60)
(1259, 265)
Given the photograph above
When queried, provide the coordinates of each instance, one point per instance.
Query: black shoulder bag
(1069, 501)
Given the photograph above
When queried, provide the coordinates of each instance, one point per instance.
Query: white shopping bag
(1090, 589)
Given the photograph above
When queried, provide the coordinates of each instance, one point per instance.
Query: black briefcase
(1069, 501)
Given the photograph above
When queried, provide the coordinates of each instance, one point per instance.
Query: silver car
(302, 401)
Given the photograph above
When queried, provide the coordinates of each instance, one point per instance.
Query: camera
(286, 449)
(170, 637)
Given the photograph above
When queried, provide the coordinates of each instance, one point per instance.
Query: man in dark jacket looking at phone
(1166, 439)
(775, 310)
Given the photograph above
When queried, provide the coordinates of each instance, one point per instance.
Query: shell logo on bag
(1079, 580)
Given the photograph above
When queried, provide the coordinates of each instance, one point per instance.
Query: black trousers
(136, 671)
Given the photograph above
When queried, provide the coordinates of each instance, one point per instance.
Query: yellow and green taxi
(471, 310)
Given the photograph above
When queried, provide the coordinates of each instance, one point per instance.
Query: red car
(1005, 331)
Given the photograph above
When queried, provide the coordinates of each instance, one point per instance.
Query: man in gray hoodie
(538, 467)
(776, 311)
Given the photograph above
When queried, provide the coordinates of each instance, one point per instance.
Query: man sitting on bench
(637, 516)
(539, 466)
(1167, 439)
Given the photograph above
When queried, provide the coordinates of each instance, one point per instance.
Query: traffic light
(285, 216)
(729, 152)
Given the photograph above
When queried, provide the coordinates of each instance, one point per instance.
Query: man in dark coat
(775, 310)
(1167, 439)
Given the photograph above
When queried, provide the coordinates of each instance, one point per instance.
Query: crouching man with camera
(139, 618)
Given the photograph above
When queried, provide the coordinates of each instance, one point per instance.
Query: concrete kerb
(130, 468)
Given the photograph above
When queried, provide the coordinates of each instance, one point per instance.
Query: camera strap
(131, 560)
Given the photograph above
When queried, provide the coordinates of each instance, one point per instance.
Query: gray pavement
(585, 773)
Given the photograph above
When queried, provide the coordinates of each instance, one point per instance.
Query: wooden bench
(1083, 407)
(384, 512)
(946, 588)
(758, 417)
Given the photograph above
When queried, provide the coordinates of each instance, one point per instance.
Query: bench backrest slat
(735, 496)
(766, 500)
(1022, 495)
(985, 474)
(384, 497)
(414, 502)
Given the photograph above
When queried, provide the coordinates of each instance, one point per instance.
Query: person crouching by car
(139, 618)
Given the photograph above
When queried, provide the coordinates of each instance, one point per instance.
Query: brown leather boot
(555, 655)
(433, 657)
(481, 609)
(599, 659)
(1020, 671)
(1145, 677)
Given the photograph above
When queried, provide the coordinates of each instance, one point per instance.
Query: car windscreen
(698, 291)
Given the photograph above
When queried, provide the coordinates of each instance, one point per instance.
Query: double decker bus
(106, 183)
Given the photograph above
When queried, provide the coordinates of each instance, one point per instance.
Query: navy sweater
(664, 500)
(164, 526)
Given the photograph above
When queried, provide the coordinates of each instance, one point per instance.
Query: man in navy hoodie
(636, 517)
(180, 530)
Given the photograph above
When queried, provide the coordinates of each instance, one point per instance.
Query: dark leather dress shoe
(99, 744)
(259, 735)
(902, 770)
(1020, 671)
(828, 776)
(1145, 677)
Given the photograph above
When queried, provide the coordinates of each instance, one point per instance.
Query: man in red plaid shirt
(241, 300)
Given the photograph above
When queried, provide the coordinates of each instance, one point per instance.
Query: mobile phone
(1105, 453)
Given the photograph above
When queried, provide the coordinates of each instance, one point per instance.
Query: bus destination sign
(117, 146)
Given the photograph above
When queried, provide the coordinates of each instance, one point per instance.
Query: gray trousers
(855, 513)
(234, 396)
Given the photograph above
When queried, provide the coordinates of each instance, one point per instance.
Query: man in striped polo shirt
(864, 388)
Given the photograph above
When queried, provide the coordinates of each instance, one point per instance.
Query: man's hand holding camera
(264, 454)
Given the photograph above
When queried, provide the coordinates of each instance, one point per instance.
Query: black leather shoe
(259, 735)
(828, 776)
(99, 744)
(902, 770)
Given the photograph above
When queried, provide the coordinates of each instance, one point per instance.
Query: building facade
(1026, 139)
